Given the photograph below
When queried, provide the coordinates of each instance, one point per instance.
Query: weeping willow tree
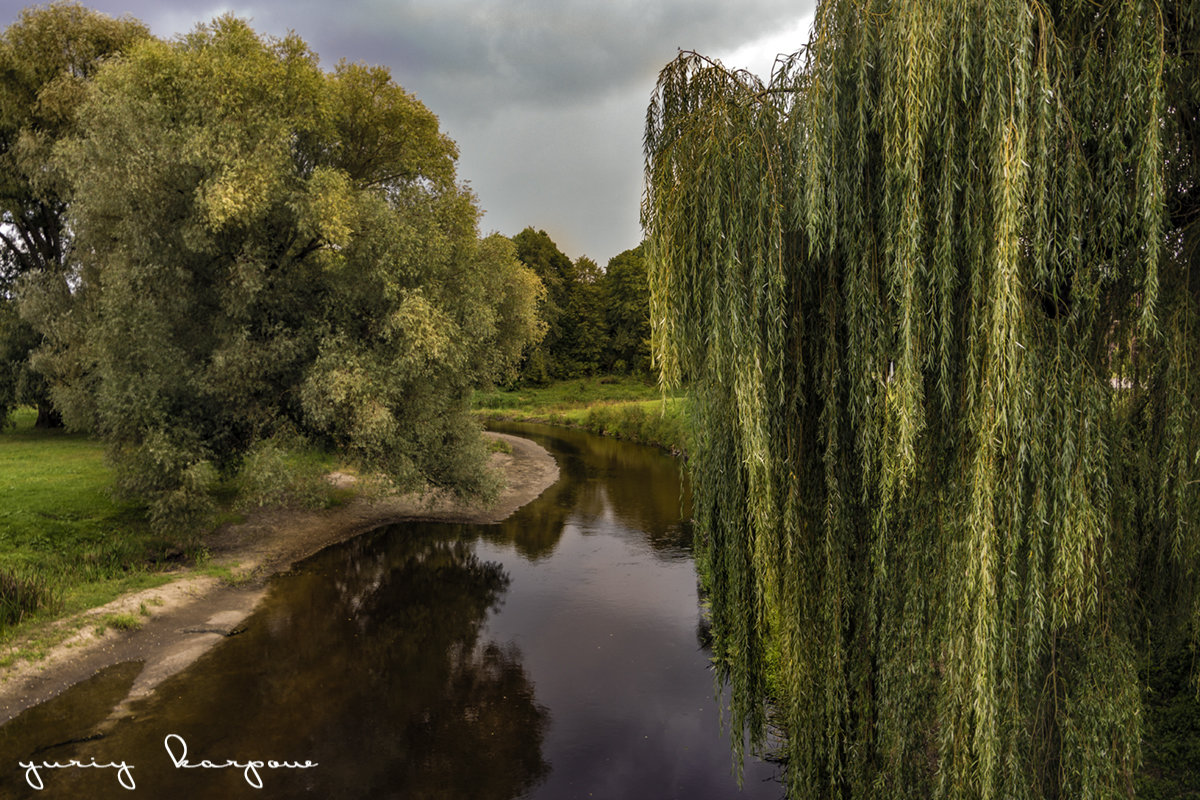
(933, 289)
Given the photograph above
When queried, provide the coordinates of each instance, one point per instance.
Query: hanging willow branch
(933, 291)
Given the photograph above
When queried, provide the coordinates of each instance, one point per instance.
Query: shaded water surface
(556, 655)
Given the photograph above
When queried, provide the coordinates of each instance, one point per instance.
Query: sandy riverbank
(192, 613)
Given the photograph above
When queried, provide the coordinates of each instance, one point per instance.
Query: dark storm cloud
(546, 98)
(478, 56)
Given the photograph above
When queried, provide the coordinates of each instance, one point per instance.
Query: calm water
(557, 655)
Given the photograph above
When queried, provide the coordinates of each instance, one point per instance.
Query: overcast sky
(546, 98)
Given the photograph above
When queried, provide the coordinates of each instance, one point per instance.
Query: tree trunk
(48, 416)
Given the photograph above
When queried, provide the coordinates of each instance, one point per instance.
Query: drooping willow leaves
(931, 291)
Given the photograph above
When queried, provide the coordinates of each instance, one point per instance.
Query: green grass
(499, 446)
(624, 408)
(566, 395)
(61, 531)
(121, 622)
(226, 575)
(22, 595)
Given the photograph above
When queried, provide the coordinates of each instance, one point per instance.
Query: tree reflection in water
(304, 682)
(601, 478)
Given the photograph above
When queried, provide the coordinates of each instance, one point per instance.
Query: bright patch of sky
(759, 55)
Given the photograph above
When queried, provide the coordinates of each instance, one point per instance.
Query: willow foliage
(930, 289)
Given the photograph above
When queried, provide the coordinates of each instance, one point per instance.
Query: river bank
(168, 627)
(618, 407)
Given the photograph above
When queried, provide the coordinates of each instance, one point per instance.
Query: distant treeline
(597, 321)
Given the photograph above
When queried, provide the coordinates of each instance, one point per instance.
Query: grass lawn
(65, 543)
(625, 408)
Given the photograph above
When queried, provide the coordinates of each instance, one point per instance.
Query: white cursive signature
(34, 778)
(249, 768)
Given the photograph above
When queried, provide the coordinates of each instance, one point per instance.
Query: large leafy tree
(270, 250)
(627, 312)
(934, 290)
(548, 360)
(586, 335)
(46, 59)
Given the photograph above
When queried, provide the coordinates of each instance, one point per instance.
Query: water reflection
(368, 662)
(605, 484)
(70, 717)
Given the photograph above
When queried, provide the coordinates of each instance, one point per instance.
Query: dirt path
(186, 617)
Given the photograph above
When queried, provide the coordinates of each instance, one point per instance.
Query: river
(559, 654)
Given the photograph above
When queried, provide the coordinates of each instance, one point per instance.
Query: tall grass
(22, 595)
